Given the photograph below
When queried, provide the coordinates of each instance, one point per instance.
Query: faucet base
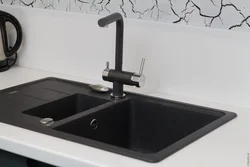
(117, 97)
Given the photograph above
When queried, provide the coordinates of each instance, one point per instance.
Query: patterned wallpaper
(227, 14)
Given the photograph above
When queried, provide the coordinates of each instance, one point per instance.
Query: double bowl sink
(138, 126)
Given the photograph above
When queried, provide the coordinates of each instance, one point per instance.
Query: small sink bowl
(145, 129)
(66, 107)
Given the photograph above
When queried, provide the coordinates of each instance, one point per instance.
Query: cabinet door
(11, 160)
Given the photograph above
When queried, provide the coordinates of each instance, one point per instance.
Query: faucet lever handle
(142, 66)
(107, 65)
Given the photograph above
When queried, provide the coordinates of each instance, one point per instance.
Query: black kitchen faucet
(117, 76)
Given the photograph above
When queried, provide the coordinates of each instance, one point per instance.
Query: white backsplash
(195, 62)
(226, 14)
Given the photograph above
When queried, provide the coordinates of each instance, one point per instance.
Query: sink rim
(32, 123)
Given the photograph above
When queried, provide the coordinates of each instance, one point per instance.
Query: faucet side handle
(142, 66)
(107, 65)
(139, 78)
(105, 72)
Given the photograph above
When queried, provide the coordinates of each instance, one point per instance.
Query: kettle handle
(6, 17)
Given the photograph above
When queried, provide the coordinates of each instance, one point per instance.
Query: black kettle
(8, 54)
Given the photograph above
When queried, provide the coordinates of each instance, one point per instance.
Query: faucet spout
(116, 17)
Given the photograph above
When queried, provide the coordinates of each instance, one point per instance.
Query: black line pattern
(28, 3)
(193, 12)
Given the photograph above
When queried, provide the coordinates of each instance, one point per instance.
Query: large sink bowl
(145, 129)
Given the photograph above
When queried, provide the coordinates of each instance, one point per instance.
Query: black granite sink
(138, 126)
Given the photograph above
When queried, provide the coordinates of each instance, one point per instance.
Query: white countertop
(226, 146)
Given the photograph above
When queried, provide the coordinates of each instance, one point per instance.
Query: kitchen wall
(195, 62)
(226, 14)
